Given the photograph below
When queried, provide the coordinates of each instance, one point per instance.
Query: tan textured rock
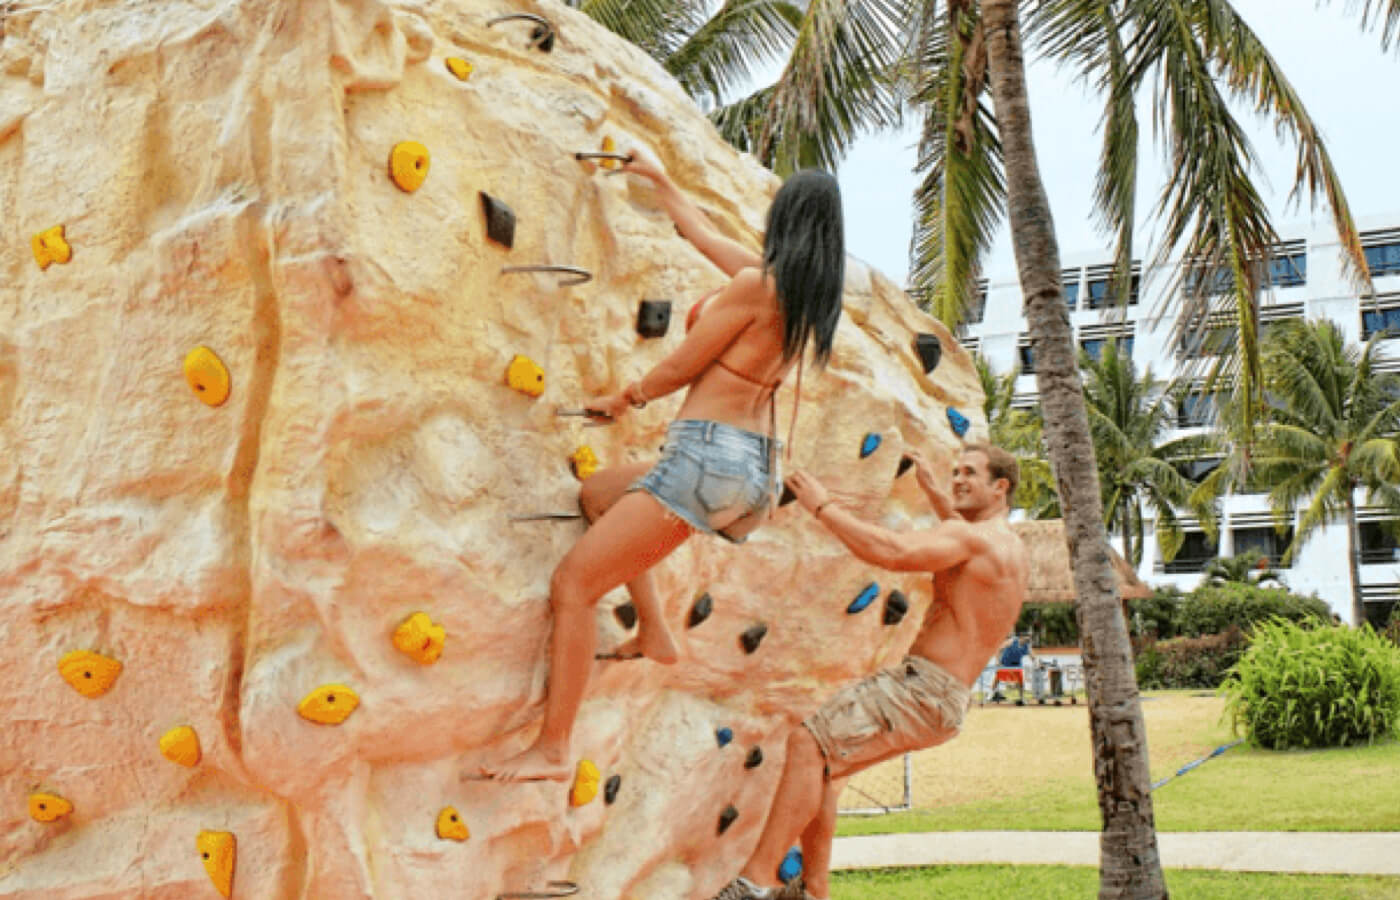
(222, 166)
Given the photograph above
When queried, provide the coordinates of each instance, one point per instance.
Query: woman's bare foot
(652, 641)
(535, 764)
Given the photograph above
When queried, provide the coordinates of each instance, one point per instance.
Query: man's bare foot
(654, 642)
(534, 764)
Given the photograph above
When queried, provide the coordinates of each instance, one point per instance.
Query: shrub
(1392, 629)
(1155, 616)
(1315, 687)
(1049, 624)
(1200, 662)
(1211, 608)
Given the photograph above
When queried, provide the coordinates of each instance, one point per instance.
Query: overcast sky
(1348, 84)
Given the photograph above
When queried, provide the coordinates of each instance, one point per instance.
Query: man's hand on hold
(809, 491)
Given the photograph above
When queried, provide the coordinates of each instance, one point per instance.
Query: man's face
(973, 487)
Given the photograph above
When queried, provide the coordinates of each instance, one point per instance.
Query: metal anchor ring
(580, 276)
(543, 35)
(553, 889)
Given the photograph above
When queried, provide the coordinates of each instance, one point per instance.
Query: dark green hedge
(1190, 662)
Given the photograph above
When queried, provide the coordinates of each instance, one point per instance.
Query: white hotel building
(1305, 281)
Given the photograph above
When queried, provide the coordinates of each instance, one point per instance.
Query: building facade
(1304, 280)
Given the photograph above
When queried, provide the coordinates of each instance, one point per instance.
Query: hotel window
(1196, 552)
(1378, 544)
(1069, 281)
(1265, 541)
(1094, 346)
(1026, 354)
(1289, 270)
(1382, 249)
(1384, 321)
(1099, 287)
(1196, 410)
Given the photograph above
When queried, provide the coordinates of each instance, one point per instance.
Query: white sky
(1347, 83)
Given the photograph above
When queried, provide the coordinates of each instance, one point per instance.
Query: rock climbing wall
(254, 419)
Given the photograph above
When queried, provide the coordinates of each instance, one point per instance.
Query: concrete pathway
(1349, 853)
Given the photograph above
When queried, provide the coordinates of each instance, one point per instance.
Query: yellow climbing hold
(329, 704)
(609, 146)
(207, 375)
(525, 375)
(450, 825)
(459, 67)
(48, 807)
(50, 247)
(419, 639)
(90, 674)
(584, 462)
(218, 849)
(585, 783)
(180, 745)
(408, 165)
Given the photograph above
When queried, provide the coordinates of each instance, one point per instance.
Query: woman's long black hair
(805, 250)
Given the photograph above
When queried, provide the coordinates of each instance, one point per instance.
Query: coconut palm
(1129, 418)
(1018, 430)
(1334, 428)
(1250, 567)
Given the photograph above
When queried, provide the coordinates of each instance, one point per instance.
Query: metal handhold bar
(552, 889)
(543, 35)
(581, 276)
(544, 517)
(603, 154)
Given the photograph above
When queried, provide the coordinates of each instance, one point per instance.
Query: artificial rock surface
(221, 170)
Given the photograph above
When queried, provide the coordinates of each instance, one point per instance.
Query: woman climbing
(719, 469)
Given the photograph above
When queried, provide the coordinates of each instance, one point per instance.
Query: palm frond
(724, 52)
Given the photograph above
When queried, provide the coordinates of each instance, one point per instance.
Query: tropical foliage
(1018, 430)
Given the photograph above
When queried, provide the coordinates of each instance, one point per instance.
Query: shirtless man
(980, 569)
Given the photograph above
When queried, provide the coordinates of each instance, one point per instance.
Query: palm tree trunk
(1129, 862)
(1358, 606)
(1123, 524)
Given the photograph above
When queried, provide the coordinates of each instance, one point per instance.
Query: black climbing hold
(905, 464)
(724, 735)
(753, 637)
(727, 818)
(864, 598)
(787, 497)
(754, 759)
(626, 615)
(500, 220)
(930, 350)
(653, 318)
(959, 422)
(896, 605)
(610, 789)
(542, 37)
(700, 610)
(869, 445)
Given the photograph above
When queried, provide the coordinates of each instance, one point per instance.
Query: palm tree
(1128, 418)
(1019, 431)
(1334, 428)
(1250, 567)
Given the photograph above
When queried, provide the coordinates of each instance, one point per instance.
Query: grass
(1030, 768)
(1076, 882)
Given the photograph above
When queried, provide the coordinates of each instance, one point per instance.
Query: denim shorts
(714, 476)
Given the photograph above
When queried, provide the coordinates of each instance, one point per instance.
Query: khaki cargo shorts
(911, 706)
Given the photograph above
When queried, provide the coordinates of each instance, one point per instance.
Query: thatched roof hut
(1051, 578)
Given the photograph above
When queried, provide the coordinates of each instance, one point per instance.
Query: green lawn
(1352, 789)
(1076, 883)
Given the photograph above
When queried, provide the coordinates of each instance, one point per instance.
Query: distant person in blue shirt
(1016, 650)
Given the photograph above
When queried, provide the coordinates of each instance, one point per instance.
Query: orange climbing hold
(584, 462)
(329, 704)
(181, 745)
(586, 781)
(408, 165)
(609, 146)
(207, 375)
(524, 375)
(450, 826)
(90, 674)
(48, 807)
(419, 639)
(50, 247)
(460, 67)
(219, 850)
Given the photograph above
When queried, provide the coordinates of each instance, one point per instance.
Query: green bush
(1049, 624)
(1200, 662)
(1155, 616)
(1392, 629)
(1212, 608)
(1315, 687)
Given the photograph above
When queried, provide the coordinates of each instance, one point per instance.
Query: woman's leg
(654, 640)
(631, 537)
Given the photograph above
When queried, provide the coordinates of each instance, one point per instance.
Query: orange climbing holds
(408, 165)
(586, 781)
(329, 704)
(50, 247)
(460, 67)
(207, 375)
(450, 826)
(524, 375)
(48, 807)
(419, 639)
(609, 146)
(90, 674)
(219, 850)
(584, 462)
(181, 746)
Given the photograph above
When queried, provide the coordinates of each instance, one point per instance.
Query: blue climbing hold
(791, 867)
(724, 735)
(869, 445)
(959, 422)
(864, 598)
